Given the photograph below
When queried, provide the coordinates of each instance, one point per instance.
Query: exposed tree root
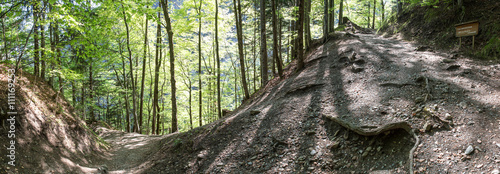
(375, 130)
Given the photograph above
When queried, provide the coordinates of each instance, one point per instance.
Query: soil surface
(451, 102)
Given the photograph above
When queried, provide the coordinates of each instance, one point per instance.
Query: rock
(359, 62)
(379, 148)
(469, 150)
(352, 57)
(310, 168)
(334, 145)
(448, 60)
(254, 112)
(313, 152)
(365, 154)
(357, 69)
(427, 127)
(423, 48)
(448, 116)
(470, 123)
(419, 99)
(453, 67)
(250, 163)
(463, 105)
(496, 171)
(220, 164)
(498, 145)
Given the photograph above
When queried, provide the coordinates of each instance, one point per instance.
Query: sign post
(470, 28)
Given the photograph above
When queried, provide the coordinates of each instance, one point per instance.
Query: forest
(164, 66)
(250, 86)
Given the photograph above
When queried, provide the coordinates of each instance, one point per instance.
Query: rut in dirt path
(129, 151)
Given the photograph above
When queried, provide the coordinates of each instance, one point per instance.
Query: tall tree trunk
(374, 8)
(157, 74)
(400, 6)
(5, 48)
(42, 43)
(239, 26)
(325, 21)
(300, 25)
(134, 107)
(91, 91)
(382, 5)
(141, 98)
(332, 16)
(254, 45)
(275, 39)
(217, 58)
(307, 23)
(200, 96)
(341, 11)
(172, 68)
(190, 108)
(263, 45)
(35, 40)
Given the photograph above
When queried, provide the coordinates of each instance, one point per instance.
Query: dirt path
(129, 151)
(366, 81)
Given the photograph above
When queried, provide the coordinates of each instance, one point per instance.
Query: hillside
(49, 137)
(433, 25)
(363, 104)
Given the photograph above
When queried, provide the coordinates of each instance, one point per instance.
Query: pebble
(220, 164)
(310, 168)
(427, 126)
(448, 116)
(379, 148)
(313, 152)
(496, 171)
(469, 150)
(250, 163)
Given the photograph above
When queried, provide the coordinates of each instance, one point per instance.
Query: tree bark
(374, 8)
(332, 16)
(36, 71)
(239, 26)
(172, 67)
(134, 106)
(42, 44)
(141, 98)
(275, 40)
(200, 96)
(325, 21)
(382, 5)
(300, 47)
(263, 49)
(341, 11)
(217, 59)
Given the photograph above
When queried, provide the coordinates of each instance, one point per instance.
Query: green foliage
(492, 48)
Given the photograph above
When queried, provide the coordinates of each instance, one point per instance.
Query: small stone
(250, 163)
(357, 69)
(313, 152)
(365, 154)
(310, 168)
(427, 127)
(463, 105)
(496, 171)
(469, 150)
(254, 112)
(470, 123)
(448, 60)
(479, 141)
(368, 149)
(453, 67)
(419, 100)
(448, 116)
(220, 164)
(498, 145)
(334, 145)
(479, 166)
(379, 148)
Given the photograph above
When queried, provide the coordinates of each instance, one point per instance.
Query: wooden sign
(470, 28)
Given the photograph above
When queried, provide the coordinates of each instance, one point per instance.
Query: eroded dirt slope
(451, 102)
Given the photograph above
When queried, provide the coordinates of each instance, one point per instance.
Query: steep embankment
(434, 25)
(315, 120)
(49, 137)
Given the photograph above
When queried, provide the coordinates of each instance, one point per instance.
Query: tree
(341, 11)
(143, 72)
(263, 47)
(238, 19)
(326, 21)
(200, 96)
(164, 5)
(35, 39)
(217, 58)
(42, 42)
(374, 5)
(276, 57)
(134, 107)
(300, 47)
